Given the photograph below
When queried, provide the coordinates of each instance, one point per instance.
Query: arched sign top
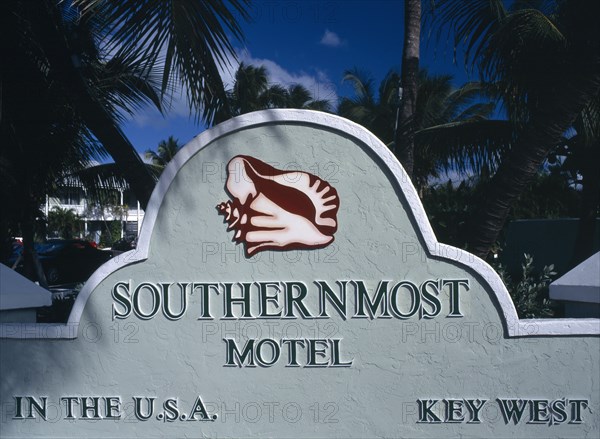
(389, 164)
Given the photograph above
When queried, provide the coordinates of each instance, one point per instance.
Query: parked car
(70, 260)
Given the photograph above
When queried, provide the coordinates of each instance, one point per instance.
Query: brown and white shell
(272, 209)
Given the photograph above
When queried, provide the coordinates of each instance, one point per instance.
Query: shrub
(530, 292)
(111, 233)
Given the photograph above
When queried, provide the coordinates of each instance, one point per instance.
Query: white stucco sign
(287, 283)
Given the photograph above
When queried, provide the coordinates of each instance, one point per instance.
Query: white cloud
(317, 82)
(331, 39)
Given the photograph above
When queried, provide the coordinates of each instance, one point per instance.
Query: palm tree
(165, 151)
(248, 92)
(252, 91)
(64, 222)
(376, 113)
(581, 154)
(42, 135)
(450, 125)
(404, 136)
(546, 64)
(167, 42)
(300, 97)
(70, 71)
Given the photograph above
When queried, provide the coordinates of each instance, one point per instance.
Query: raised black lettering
(122, 298)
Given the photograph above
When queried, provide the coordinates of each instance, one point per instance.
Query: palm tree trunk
(405, 134)
(100, 123)
(545, 129)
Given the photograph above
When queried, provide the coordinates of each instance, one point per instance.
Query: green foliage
(252, 91)
(542, 58)
(176, 42)
(530, 292)
(449, 209)
(87, 64)
(375, 109)
(63, 222)
(111, 233)
(525, 48)
(165, 151)
(548, 196)
(452, 130)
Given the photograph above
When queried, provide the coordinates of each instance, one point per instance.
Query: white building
(121, 206)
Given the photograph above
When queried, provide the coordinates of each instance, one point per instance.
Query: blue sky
(312, 43)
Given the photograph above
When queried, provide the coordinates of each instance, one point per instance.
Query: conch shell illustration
(272, 209)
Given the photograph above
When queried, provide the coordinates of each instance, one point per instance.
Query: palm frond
(471, 26)
(467, 94)
(362, 84)
(250, 83)
(191, 36)
(319, 105)
(388, 89)
(520, 47)
(479, 110)
(299, 95)
(123, 85)
(351, 110)
(473, 145)
(97, 180)
(165, 152)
